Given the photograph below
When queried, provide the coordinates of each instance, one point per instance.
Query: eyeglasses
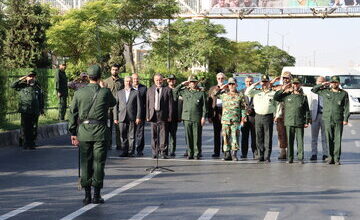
(220, 78)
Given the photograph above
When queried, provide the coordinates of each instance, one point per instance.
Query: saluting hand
(224, 86)
(75, 141)
(325, 83)
(203, 121)
(275, 80)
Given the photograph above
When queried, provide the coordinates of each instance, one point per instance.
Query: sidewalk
(11, 138)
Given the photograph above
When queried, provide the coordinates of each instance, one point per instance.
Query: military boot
(227, 155)
(233, 156)
(282, 155)
(87, 199)
(97, 197)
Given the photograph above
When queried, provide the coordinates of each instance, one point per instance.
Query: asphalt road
(42, 185)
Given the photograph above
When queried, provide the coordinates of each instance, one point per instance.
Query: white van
(349, 80)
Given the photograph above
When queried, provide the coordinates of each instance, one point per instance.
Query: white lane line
(337, 218)
(20, 210)
(145, 212)
(357, 143)
(271, 215)
(208, 214)
(110, 195)
(353, 132)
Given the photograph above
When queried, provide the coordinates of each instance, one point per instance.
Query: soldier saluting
(297, 116)
(31, 105)
(88, 117)
(336, 114)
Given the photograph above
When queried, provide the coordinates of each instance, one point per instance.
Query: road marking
(353, 132)
(357, 143)
(271, 215)
(20, 210)
(337, 218)
(145, 212)
(110, 195)
(208, 214)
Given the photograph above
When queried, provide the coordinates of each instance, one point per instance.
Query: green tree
(25, 37)
(274, 59)
(191, 43)
(137, 17)
(86, 34)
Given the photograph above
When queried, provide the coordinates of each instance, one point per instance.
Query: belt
(92, 122)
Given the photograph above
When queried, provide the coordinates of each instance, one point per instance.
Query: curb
(11, 138)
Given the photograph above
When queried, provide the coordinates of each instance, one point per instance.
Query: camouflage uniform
(233, 110)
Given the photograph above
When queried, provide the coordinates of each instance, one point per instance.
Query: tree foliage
(191, 43)
(25, 37)
(137, 18)
(86, 34)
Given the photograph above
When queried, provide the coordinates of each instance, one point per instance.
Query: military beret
(232, 81)
(171, 76)
(94, 71)
(296, 80)
(265, 78)
(192, 79)
(335, 79)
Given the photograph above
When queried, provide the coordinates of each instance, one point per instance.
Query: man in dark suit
(159, 104)
(127, 113)
(215, 113)
(139, 128)
(249, 124)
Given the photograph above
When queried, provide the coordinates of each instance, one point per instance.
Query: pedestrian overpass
(250, 9)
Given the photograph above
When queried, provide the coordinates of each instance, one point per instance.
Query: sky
(330, 42)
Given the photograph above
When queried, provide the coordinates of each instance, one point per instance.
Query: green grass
(13, 121)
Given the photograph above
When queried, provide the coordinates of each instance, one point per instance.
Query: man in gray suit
(127, 113)
(159, 108)
(316, 107)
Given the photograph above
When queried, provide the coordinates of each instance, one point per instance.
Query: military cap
(32, 73)
(94, 71)
(62, 62)
(171, 76)
(265, 78)
(286, 74)
(335, 79)
(232, 81)
(83, 74)
(296, 80)
(192, 79)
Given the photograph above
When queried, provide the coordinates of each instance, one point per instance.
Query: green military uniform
(232, 112)
(194, 109)
(297, 114)
(114, 85)
(335, 112)
(88, 117)
(31, 105)
(61, 85)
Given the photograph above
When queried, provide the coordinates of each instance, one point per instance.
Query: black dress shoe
(200, 155)
(190, 157)
(324, 157)
(139, 154)
(215, 155)
(337, 163)
(154, 156)
(87, 199)
(124, 155)
(261, 159)
(313, 157)
(267, 160)
(172, 155)
(131, 155)
(197, 157)
(164, 156)
(243, 157)
(331, 161)
(186, 154)
(290, 161)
